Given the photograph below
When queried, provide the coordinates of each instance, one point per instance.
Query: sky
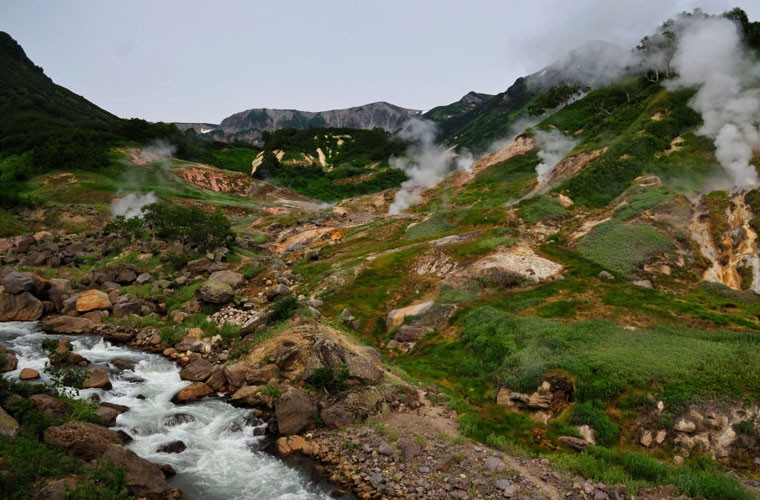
(201, 61)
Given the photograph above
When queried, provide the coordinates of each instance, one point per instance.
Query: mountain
(33, 107)
(468, 102)
(248, 125)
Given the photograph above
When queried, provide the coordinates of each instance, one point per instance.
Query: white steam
(710, 56)
(425, 163)
(554, 146)
(132, 205)
(158, 151)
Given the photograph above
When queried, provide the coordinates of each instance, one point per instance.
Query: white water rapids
(222, 459)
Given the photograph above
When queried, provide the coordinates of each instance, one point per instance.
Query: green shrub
(607, 432)
(622, 248)
(251, 269)
(170, 335)
(430, 228)
(229, 332)
(283, 309)
(541, 208)
(329, 379)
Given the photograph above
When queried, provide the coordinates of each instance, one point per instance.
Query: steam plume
(554, 146)
(132, 205)
(425, 163)
(710, 56)
(158, 151)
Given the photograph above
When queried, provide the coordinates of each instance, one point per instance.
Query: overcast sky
(200, 61)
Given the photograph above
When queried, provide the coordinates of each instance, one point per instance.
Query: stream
(223, 459)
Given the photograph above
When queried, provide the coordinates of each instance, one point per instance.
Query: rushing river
(223, 459)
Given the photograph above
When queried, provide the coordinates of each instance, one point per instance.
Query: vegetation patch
(622, 248)
(541, 208)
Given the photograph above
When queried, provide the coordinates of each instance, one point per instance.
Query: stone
(29, 374)
(644, 284)
(607, 276)
(262, 375)
(59, 489)
(97, 378)
(686, 426)
(337, 416)
(143, 278)
(251, 396)
(107, 416)
(288, 445)
(409, 333)
(502, 397)
(144, 479)
(82, 439)
(9, 427)
(192, 393)
(495, 464)
(21, 307)
(276, 291)
(168, 471)
(123, 309)
(409, 449)
(122, 364)
(215, 292)
(646, 439)
(178, 419)
(16, 282)
(286, 356)
(126, 277)
(396, 317)
(384, 449)
(587, 433)
(92, 300)
(8, 360)
(236, 374)
(295, 412)
(661, 435)
(50, 406)
(573, 443)
(230, 278)
(197, 370)
(67, 325)
(217, 380)
(172, 447)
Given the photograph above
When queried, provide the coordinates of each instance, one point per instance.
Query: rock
(409, 449)
(384, 449)
(92, 300)
(168, 471)
(29, 374)
(123, 309)
(144, 479)
(215, 292)
(277, 291)
(126, 276)
(587, 433)
(286, 356)
(21, 307)
(337, 416)
(122, 364)
(236, 374)
(58, 489)
(409, 333)
(8, 360)
(192, 393)
(172, 447)
(48, 405)
(573, 443)
(363, 370)
(16, 282)
(8, 425)
(260, 376)
(230, 278)
(661, 435)
(646, 439)
(82, 439)
(97, 378)
(396, 317)
(67, 325)
(607, 276)
(495, 464)
(217, 380)
(178, 419)
(143, 278)
(295, 412)
(107, 416)
(288, 445)
(686, 426)
(197, 371)
(644, 284)
(506, 487)
(502, 397)
(251, 396)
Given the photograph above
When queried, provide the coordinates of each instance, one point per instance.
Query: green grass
(541, 208)
(428, 229)
(641, 200)
(501, 183)
(622, 248)
(9, 226)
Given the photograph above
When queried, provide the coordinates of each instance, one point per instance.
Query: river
(223, 459)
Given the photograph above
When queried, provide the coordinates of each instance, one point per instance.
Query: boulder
(295, 412)
(97, 378)
(230, 278)
(217, 380)
(16, 282)
(287, 446)
(686, 426)
(337, 416)
(21, 307)
(409, 333)
(276, 291)
(82, 439)
(172, 447)
(126, 277)
(144, 479)
(106, 416)
(197, 370)
(215, 292)
(8, 425)
(573, 443)
(261, 376)
(252, 397)
(236, 374)
(67, 325)
(178, 419)
(126, 308)
(29, 374)
(92, 300)
(48, 405)
(192, 393)
(396, 317)
(8, 360)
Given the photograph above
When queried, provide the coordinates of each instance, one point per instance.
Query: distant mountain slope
(248, 125)
(31, 105)
(463, 105)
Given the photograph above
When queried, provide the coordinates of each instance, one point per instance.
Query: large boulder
(396, 317)
(16, 282)
(251, 396)
(21, 307)
(295, 412)
(215, 292)
(93, 300)
(67, 325)
(328, 352)
(82, 439)
(192, 393)
(126, 308)
(236, 373)
(144, 479)
(197, 370)
(230, 278)
(50, 406)
(97, 378)
(8, 425)
(8, 360)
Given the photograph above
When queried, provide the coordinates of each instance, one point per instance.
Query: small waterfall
(223, 459)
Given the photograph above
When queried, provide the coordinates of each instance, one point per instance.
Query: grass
(641, 200)
(541, 208)
(502, 183)
(622, 248)
(9, 226)
(428, 229)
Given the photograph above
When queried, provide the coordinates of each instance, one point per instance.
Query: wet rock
(178, 419)
(295, 412)
(192, 393)
(29, 374)
(97, 378)
(92, 300)
(8, 360)
(106, 416)
(122, 364)
(144, 479)
(82, 439)
(21, 307)
(172, 447)
(288, 445)
(197, 370)
(168, 470)
(67, 325)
